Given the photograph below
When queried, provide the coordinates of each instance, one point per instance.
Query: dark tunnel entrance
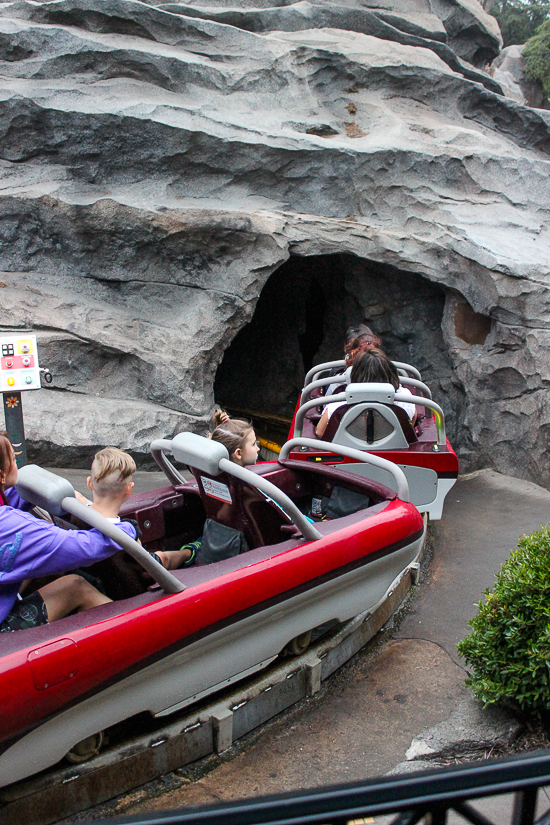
(301, 319)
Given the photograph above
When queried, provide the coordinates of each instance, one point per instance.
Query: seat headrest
(383, 393)
(43, 489)
(199, 452)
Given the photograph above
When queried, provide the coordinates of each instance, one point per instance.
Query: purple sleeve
(14, 500)
(30, 547)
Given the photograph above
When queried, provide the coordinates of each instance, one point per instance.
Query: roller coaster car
(200, 628)
(369, 420)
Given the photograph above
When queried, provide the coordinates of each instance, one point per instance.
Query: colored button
(28, 379)
(25, 347)
(9, 364)
(26, 361)
(11, 381)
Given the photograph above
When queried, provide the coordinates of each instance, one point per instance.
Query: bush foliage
(508, 648)
(520, 19)
(537, 57)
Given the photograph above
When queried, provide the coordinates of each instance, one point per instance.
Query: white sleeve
(409, 408)
(329, 409)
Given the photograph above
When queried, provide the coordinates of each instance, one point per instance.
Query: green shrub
(508, 648)
(519, 19)
(537, 57)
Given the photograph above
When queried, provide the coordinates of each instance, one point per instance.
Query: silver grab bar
(167, 581)
(300, 415)
(408, 368)
(157, 451)
(365, 458)
(308, 531)
(329, 365)
(430, 405)
(414, 382)
(320, 382)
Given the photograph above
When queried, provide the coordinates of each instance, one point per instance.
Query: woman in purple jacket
(30, 548)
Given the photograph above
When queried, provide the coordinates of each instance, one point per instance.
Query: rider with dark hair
(370, 366)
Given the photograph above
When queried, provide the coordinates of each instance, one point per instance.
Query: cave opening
(301, 319)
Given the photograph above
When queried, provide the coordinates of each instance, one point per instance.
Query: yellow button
(11, 381)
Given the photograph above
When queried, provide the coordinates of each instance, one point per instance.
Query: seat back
(234, 503)
(371, 426)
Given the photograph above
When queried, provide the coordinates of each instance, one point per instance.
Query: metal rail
(365, 458)
(423, 797)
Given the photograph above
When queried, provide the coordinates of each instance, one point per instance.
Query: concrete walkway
(364, 720)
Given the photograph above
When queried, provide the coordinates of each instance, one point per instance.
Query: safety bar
(157, 451)
(414, 382)
(55, 494)
(430, 405)
(158, 447)
(300, 415)
(329, 365)
(327, 380)
(167, 581)
(350, 452)
(342, 378)
(400, 365)
(308, 531)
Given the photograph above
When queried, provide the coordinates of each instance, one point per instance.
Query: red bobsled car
(369, 420)
(163, 647)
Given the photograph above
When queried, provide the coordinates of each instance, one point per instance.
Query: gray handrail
(359, 455)
(308, 531)
(400, 365)
(430, 405)
(320, 382)
(157, 451)
(224, 464)
(300, 415)
(330, 379)
(167, 581)
(329, 365)
(414, 382)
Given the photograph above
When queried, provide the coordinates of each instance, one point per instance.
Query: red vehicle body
(423, 451)
(158, 652)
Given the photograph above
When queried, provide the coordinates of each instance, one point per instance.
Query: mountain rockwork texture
(199, 199)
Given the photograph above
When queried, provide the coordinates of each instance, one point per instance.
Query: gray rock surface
(161, 162)
(469, 730)
(508, 70)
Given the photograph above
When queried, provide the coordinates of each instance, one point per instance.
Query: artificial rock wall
(164, 163)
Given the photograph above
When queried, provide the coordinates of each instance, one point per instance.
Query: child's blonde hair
(111, 471)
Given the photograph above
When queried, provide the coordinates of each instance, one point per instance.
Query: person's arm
(322, 425)
(410, 409)
(14, 500)
(33, 548)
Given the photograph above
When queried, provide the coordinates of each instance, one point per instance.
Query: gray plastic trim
(382, 393)
(199, 452)
(395, 440)
(43, 488)
(365, 458)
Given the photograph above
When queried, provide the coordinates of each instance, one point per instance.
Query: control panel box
(19, 363)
